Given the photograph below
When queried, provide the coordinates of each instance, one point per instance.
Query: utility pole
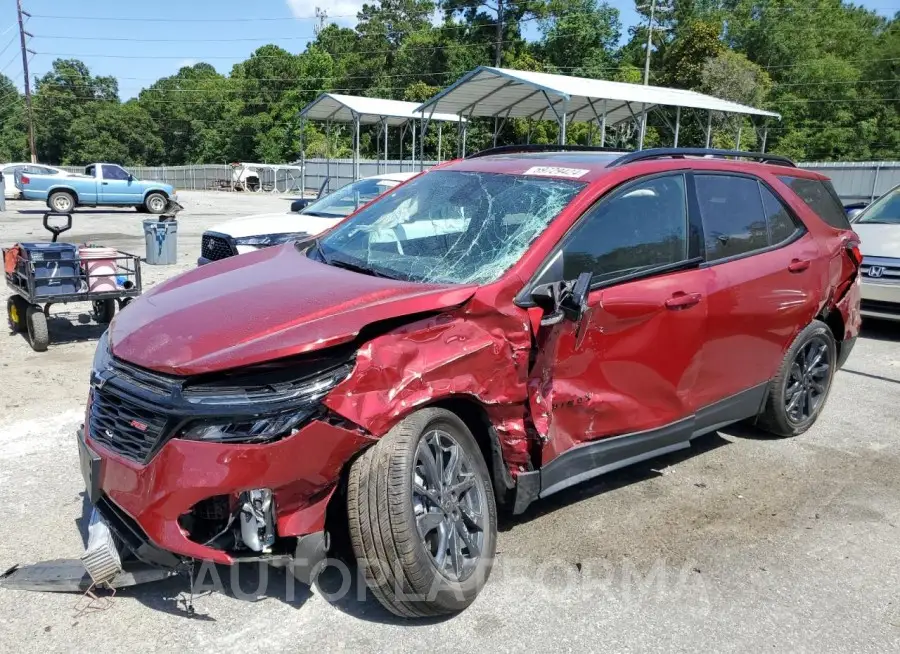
(498, 48)
(649, 43)
(22, 35)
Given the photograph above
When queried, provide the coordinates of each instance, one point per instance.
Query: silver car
(878, 227)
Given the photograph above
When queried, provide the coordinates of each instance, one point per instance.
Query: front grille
(880, 269)
(880, 306)
(125, 428)
(215, 248)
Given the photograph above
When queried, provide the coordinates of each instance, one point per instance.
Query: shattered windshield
(450, 226)
(349, 198)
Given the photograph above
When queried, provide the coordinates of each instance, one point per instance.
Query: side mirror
(300, 205)
(563, 300)
(130, 177)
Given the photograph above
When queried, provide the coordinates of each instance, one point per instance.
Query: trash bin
(161, 238)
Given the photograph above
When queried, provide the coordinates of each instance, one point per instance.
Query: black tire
(104, 310)
(61, 202)
(16, 308)
(38, 333)
(156, 203)
(383, 524)
(776, 417)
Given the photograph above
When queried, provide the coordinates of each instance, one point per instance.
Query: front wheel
(104, 310)
(155, 203)
(799, 390)
(423, 522)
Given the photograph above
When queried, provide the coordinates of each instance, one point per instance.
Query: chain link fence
(261, 178)
(854, 181)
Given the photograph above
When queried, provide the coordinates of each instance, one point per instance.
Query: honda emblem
(876, 271)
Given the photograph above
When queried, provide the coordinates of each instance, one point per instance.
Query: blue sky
(221, 32)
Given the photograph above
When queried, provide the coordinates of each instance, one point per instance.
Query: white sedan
(878, 227)
(10, 171)
(250, 233)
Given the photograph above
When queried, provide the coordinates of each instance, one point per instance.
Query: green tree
(580, 37)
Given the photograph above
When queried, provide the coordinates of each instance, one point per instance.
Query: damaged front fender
(475, 351)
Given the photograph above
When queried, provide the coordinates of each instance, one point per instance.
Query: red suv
(486, 334)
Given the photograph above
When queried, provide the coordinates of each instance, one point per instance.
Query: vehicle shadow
(244, 582)
(633, 474)
(880, 330)
(73, 328)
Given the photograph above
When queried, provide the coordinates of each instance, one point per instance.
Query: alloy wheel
(808, 382)
(157, 204)
(449, 503)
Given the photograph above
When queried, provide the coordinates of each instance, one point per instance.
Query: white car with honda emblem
(304, 220)
(878, 227)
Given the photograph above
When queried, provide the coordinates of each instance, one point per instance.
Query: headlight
(101, 355)
(277, 407)
(268, 240)
(261, 430)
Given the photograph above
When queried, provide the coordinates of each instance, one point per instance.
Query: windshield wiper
(320, 214)
(355, 267)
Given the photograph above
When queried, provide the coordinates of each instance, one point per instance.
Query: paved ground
(741, 543)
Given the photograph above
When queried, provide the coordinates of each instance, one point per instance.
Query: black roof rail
(534, 147)
(677, 153)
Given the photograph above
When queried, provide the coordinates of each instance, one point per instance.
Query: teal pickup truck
(102, 184)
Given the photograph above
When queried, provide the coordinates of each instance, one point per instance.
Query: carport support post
(413, 153)
(327, 151)
(709, 129)
(764, 136)
(603, 126)
(677, 125)
(643, 126)
(737, 142)
(385, 145)
(302, 157)
(440, 139)
(562, 123)
(355, 147)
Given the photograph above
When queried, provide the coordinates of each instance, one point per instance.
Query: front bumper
(145, 500)
(880, 299)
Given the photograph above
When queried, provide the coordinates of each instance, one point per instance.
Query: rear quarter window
(820, 196)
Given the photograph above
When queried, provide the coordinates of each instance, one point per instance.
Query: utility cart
(43, 274)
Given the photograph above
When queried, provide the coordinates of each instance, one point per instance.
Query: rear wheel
(423, 523)
(800, 389)
(38, 333)
(155, 203)
(16, 306)
(61, 202)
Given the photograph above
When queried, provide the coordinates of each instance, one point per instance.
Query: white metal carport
(502, 93)
(358, 110)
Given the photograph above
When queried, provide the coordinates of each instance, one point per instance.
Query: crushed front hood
(262, 306)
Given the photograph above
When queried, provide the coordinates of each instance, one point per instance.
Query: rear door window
(642, 227)
(820, 196)
(734, 222)
(781, 225)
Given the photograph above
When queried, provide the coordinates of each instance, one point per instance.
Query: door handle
(798, 265)
(105, 183)
(682, 300)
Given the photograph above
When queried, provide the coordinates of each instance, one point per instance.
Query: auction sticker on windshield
(554, 171)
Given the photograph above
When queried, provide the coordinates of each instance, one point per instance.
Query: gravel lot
(742, 542)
